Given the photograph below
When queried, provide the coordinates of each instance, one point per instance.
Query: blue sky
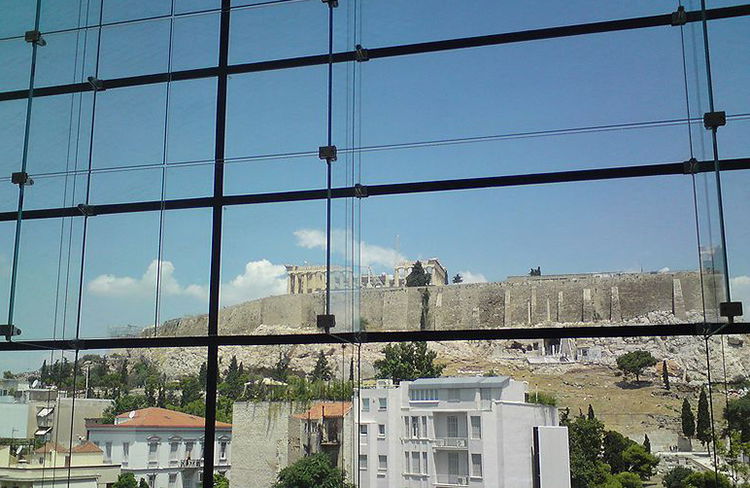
(616, 78)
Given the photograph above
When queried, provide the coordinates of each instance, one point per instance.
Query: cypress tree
(688, 419)
(665, 374)
(591, 415)
(703, 422)
(647, 443)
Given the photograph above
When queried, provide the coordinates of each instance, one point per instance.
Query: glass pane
(278, 30)
(18, 17)
(68, 57)
(129, 126)
(16, 67)
(504, 121)
(68, 14)
(134, 49)
(47, 285)
(156, 278)
(116, 11)
(192, 120)
(195, 41)
(12, 128)
(522, 265)
(7, 236)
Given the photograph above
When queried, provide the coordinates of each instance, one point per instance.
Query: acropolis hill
(520, 301)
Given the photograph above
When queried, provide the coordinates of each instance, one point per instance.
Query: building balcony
(450, 443)
(191, 463)
(451, 480)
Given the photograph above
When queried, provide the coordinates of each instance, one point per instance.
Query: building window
(172, 480)
(153, 449)
(363, 429)
(476, 427)
(223, 450)
(381, 430)
(423, 395)
(152, 480)
(485, 394)
(476, 465)
(454, 394)
(382, 404)
(188, 450)
(424, 427)
(108, 452)
(173, 448)
(406, 426)
(406, 462)
(365, 404)
(415, 427)
(424, 463)
(382, 463)
(415, 463)
(363, 462)
(452, 425)
(125, 453)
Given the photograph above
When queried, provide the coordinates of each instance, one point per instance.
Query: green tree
(665, 374)
(707, 479)
(418, 276)
(408, 361)
(614, 445)
(314, 471)
(647, 443)
(190, 390)
(541, 398)
(737, 415)
(591, 414)
(585, 446)
(8, 375)
(703, 421)
(458, 278)
(688, 419)
(628, 480)
(125, 480)
(281, 368)
(635, 362)
(675, 477)
(639, 461)
(220, 481)
(203, 375)
(322, 370)
(143, 483)
(122, 404)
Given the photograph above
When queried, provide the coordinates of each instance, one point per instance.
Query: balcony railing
(452, 479)
(191, 463)
(455, 442)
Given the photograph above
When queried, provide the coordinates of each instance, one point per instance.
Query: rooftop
(86, 447)
(154, 417)
(49, 447)
(329, 409)
(462, 382)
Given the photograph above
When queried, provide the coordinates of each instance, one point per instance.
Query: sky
(276, 121)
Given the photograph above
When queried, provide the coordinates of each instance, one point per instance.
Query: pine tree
(322, 369)
(202, 376)
(665, 374)
(418, 276)
(591, 414)
(647, 443)
(44, 373)
(688, 419)
(232, 371)
(703, 422)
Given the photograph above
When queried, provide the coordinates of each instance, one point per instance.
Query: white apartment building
(162, 446)
(448, 432)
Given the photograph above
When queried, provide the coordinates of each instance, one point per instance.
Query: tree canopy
(316, 471)
(408, 361)
(322, 370)
(635, 362)
(737, 415)
(688, 419)
(418, 276)
(703, 421)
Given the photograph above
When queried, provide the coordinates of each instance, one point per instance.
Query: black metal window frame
(219, 200)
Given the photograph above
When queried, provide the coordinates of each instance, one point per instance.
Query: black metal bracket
(21, 178)
(327, 153)
(326, 322)
(730, 309)
(361, 54)
(34, 37)
(9, 330)
(679, 17)
(714, 120)
(96, 83)
(86, 210)
(690, 167)
(331, 3)
(360, 191)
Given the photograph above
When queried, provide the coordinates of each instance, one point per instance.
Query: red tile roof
(49, 447)
(329, 409)
(160, 417)
(86, 447)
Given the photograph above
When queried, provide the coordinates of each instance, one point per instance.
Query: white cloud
(259, 279)
(369, 254)
(119, 286)
(470, 277)
(740, 287)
